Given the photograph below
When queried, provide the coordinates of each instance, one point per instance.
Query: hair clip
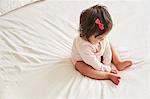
(100, 25)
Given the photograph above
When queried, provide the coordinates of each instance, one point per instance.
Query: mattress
(35, 47)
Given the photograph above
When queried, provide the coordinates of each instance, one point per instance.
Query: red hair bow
(100, 25)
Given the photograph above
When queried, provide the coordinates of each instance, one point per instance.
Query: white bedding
(35, 46)
(7, 6)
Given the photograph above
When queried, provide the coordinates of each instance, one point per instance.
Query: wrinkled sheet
(35, 46)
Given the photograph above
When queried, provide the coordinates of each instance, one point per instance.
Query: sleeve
(107, 56)
(89, 57)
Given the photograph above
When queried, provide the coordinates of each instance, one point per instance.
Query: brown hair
(88, 16)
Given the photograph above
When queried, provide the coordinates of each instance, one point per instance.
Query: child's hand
(114, 71)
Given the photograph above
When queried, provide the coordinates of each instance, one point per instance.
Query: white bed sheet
(35, 46)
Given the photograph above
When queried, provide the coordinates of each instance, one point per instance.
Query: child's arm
(89, 58)
(107, 56)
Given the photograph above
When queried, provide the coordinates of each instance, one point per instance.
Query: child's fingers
(114, 71)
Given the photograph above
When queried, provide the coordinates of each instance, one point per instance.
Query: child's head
(95, 21)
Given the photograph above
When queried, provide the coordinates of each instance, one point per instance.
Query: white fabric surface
(35, 46)
(9, 5)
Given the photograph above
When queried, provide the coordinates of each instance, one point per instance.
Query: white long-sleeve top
(83, 50)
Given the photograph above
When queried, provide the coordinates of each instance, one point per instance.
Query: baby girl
(92, 52)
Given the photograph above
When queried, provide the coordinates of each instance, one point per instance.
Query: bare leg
(88, 71)
(120, 64)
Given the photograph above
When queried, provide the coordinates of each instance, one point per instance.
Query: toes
(117, 82)
(129, 62)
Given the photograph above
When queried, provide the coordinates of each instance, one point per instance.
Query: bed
(35, 47)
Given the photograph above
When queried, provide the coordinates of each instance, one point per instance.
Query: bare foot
(114, 78)
(124, 64)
